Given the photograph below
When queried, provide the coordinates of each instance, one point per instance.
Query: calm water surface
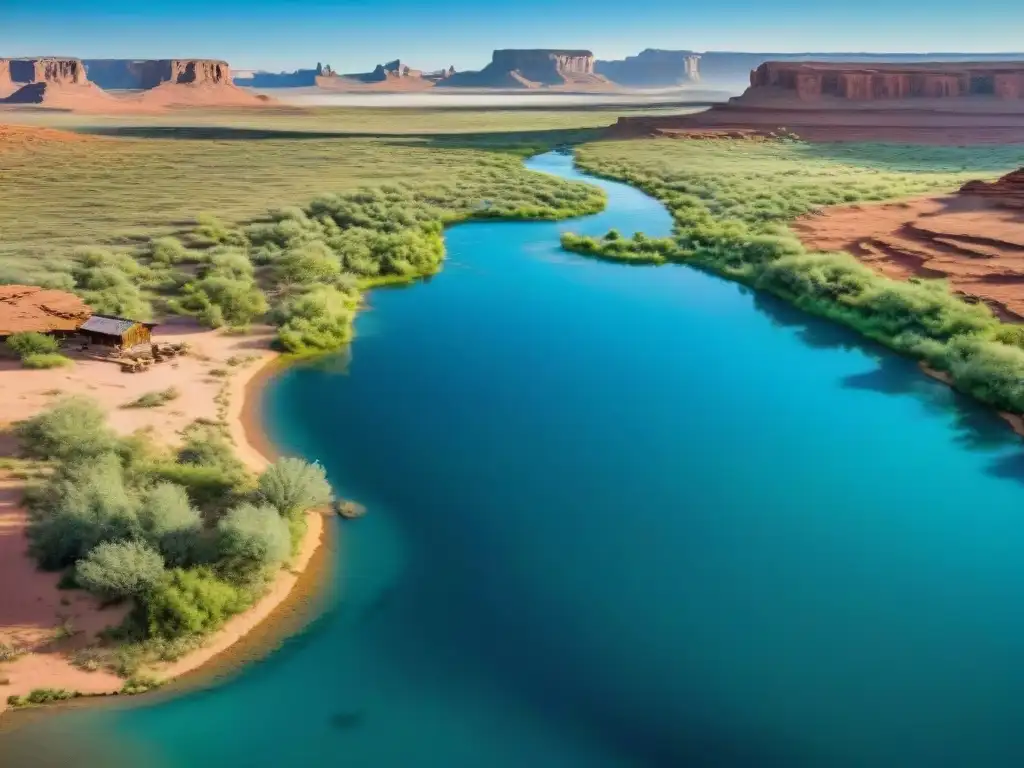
(628, 517)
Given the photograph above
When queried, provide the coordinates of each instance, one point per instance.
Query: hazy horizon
(279, 36)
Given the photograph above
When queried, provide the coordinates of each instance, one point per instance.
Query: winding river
(625, 516)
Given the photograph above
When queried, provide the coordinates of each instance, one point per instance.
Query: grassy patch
(154, 399)
(45, 360)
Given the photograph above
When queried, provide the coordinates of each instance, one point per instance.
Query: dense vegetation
(378, 218)
(730, 202)
(188, 536)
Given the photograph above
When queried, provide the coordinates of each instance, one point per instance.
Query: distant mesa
(950, 103)
(536, 68)
(391, 76)
(54, 82)
(143, 74)
(817, 81)
(152, 84)
(299, 78)
(652, 68)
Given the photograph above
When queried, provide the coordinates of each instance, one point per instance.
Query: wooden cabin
(120, 332)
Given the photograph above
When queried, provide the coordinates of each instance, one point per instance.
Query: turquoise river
(624, 516)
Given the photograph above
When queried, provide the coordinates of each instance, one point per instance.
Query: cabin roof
(108, 325)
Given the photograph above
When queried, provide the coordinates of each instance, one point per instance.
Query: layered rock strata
(652, 68)
(813, 81)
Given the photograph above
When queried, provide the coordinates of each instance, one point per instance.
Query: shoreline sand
(288, 602)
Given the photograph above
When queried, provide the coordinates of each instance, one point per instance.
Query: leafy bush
(252, 537)
(82, 505)
(120, 569)
(218, 300)
(45, 361)
(170, 523)
(168, 250)
(74, 428)
(191, 602)
(294, 486)
(32, 343)
(39, 696)
(315, 321)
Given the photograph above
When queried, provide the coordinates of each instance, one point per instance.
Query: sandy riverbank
(34, 614)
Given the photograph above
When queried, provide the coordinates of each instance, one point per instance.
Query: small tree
(74, 428)
(294, 486)
(120, 569)
(253, 537)
(31, 343)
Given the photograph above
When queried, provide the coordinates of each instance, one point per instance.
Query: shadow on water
(976, 427)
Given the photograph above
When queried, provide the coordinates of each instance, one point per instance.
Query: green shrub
(252, 537)
(120, 569)
(154, 399)
(171, 524)
(82, 505)
(168, 250)
(294, 486)
(45, 361)
(318, 320)
(32, 343)
(73, 428)
(40, 696)
(191, 602)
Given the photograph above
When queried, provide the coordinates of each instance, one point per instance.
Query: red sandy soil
(30, 308)
(18, 136)
(31, 606)
(88, 98)
(913, 126)
(174, 95)
(972, 241)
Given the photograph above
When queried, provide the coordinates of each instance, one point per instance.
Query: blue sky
(353, 36)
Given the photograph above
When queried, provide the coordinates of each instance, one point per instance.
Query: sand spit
(51, 623)
(974, 239)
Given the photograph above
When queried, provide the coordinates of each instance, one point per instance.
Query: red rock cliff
(53, 71)
(143, 74)
(810, 81)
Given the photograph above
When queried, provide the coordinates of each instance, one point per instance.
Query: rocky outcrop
(143, 74)
(16, 73)
(533, 68)
(817, 81)
(1007, 192)
(974, 240)
(652, 68)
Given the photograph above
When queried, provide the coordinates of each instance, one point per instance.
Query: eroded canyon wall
(143, 74)
(533, 68)
(812, 81)
(54, 71)
(652, 68)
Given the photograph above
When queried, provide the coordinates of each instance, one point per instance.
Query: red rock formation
(142, 74)
(812, 81)
(19, 72)
(652, 68)
(1007, 192)
(537, 68)
(970, 239)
